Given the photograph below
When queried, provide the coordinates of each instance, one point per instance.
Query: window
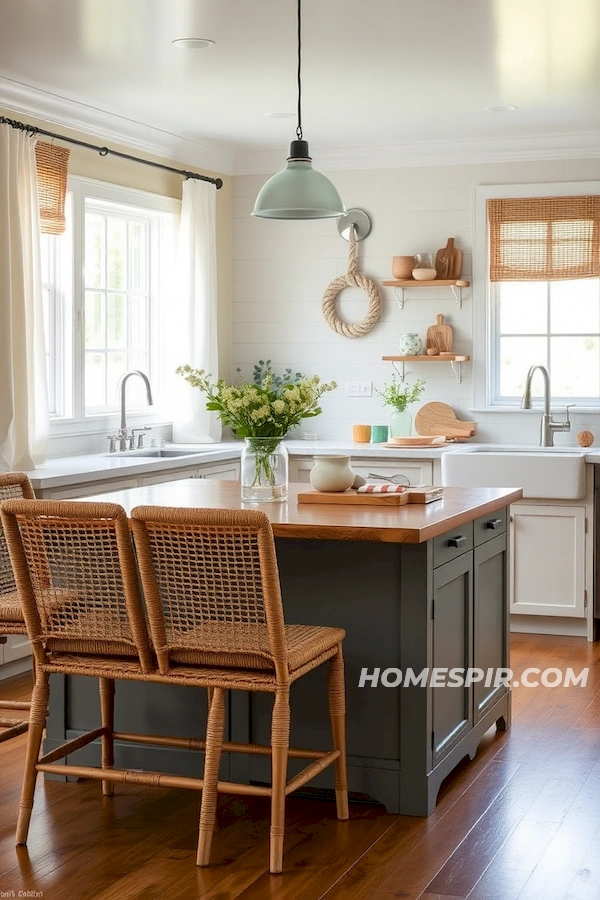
(553, 322)
(103, 280)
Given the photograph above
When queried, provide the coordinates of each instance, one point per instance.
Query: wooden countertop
(410, 524)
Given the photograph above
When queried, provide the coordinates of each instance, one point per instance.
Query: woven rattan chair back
(211, 586)
(76, 575)
(13, 486)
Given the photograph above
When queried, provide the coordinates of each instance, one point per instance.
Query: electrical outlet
(359, 389)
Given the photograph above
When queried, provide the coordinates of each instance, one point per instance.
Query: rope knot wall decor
(352, 278)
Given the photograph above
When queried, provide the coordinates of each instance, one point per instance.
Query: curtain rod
(105, 151)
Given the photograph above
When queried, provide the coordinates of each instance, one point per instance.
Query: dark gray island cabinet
(419, 587)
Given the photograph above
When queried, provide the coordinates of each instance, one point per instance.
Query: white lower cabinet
(87, 490)
(226, 471)
(548, 560)
(17, 646)
(418, 471)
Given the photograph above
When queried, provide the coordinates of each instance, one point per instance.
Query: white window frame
(484, 362)
(74, 421)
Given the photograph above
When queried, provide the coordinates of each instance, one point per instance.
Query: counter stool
(215, 616)
(12, 485)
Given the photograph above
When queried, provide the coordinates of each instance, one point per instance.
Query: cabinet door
(89, 489)
(170, 475)
(547, 560)
(418, 471)
(17, 647)
(452, 649)
(229, 471)
(490, 614)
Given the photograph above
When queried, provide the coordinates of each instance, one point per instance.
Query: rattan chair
(222, 628)
(13, 485)
(75, 571)
(215, 616)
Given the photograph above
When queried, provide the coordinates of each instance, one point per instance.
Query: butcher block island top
(410, 524)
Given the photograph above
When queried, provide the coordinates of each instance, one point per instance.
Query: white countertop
(66, 470)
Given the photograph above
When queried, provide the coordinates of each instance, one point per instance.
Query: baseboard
(548, 625)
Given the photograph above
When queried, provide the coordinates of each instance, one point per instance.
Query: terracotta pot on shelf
(402, 267)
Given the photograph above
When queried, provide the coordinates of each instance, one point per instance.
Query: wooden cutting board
(352, 498)
(439, 336)
(448, 261)
(439, 418)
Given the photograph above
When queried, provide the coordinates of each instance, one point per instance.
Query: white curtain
(193, 323)
(24, 421)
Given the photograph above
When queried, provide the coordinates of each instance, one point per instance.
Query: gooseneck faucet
(548, 426)
(122, 383)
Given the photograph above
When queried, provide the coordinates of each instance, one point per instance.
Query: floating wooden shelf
(446, 358)
(452, 359)
(457, 285)
(435, 282)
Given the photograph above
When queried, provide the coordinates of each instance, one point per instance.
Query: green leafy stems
(399, 393)
(267, 407)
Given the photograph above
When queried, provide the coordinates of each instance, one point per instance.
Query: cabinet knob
(457, 541)
(493, 524)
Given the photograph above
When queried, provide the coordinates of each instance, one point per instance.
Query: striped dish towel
(381, 489)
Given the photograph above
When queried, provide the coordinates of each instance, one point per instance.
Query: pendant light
(298, 191)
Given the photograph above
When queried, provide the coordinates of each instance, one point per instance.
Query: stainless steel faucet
(548, 426)
(122, 434)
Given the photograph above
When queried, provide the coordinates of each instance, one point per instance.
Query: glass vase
(264, 470)
(400, 423)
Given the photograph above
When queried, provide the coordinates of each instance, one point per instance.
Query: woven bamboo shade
(52, 168)
(544, 238)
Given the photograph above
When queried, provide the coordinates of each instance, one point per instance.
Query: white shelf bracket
(457, 369)
(399, 297)
(400, 372)
(457, 291)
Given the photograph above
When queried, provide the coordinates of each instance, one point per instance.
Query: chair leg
(212, 761)
(337, 714)
(280, 742)
(37, 723)
(107, 712)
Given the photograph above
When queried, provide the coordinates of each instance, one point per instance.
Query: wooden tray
(352, 498)
(417, 445)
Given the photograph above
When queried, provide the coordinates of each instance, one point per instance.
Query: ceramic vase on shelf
(264, 470)
(410, 345)
(331, 473)
(400, 423)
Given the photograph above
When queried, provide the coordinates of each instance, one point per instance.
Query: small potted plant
(398, 393)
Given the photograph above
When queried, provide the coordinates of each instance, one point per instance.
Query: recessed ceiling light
(193, 43)
(279, 115)
(500, 109)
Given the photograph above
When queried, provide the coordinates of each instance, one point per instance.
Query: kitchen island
(416, 586)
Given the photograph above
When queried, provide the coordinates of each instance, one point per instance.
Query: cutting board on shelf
(439, 418)
(448, 261)
(439, 336)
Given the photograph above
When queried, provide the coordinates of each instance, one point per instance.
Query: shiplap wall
(281, 269)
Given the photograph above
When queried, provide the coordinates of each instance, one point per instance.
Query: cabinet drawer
(490, 526)
(451, 544)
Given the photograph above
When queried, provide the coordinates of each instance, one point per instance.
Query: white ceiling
(385, 82)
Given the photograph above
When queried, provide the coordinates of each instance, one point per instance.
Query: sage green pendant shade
(298, 191)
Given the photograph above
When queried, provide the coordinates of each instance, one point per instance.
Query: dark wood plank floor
(519, 822)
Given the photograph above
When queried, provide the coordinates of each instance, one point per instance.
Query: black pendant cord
(105, 151)
(299, 127)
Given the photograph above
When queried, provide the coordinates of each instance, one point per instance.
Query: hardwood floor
(519, 822)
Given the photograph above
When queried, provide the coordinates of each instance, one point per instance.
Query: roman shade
(52, 168)
(544, 238)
